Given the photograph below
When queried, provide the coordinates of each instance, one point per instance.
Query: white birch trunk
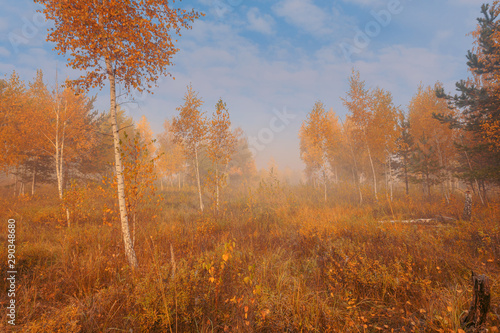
(58, 152)
(59, 147)
(198, 178)
(373, 170)
(129, 249)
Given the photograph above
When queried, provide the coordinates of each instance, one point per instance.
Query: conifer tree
(478, 99)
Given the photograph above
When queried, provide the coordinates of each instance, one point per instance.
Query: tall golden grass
(275, 259)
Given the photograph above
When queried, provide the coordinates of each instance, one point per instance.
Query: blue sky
(271, 60)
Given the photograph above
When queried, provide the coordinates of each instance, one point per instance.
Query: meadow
(97, 237)
(276, 258)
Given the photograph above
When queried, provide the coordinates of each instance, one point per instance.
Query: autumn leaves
(317, 141)
(121, 42)
(349, 150)
(192, 130)
(134, 42)
(378, 141)
(40, 126)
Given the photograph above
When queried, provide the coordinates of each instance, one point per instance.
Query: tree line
(379, 143)
(438, 140)
(56, 135)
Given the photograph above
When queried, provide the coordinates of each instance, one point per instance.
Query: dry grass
(276, 260)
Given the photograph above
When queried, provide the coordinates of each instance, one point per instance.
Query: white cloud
(400, 69)
(305, 15)
(254, 79)
(258, 22)
(323, 23)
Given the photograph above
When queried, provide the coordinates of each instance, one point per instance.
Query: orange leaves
(134, 37)
(221, 146)
(39, 123)
(317, 138)
(13, 127)
(434, 139)
(421, 109)
(146, 135)
(491, 133)
(383, 129)
(189, 130)
(139, 173)
(358, 103)
(170, 155)
(373, 116)
(222, 142)
(190, 126)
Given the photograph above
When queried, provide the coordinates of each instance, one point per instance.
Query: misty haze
(250, 166)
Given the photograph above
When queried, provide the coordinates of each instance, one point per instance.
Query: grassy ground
(274, 260)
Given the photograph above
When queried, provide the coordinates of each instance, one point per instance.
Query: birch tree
(190, 130)
(358, 102)
(122, 42)
(13, 132)
(39, 102)
(334, 143)
(64, 126)
(221, 146)
(139, 159)
(382, 133)
(314, 136)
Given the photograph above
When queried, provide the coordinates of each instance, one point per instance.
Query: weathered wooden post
(468, 206)
(475, 319)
